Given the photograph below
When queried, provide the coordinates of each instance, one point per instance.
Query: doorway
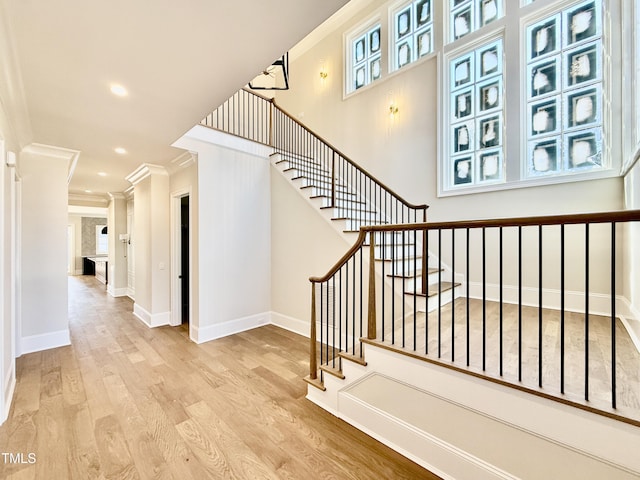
(180, 258)
(184, 258)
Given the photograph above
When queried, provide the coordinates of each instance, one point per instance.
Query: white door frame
(176, 260)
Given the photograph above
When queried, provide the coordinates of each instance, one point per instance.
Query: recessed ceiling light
(118, 90)
(120, 151)
(102, 174)
(88, 191)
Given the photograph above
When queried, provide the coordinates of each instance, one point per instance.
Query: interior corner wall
(44, 220)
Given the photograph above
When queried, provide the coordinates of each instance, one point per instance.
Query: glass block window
(412, 32)
(476, 116)
(366, 65)
(564, 91)
(467, 16)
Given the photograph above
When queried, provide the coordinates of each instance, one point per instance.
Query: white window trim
(347, 44)
(391, 43)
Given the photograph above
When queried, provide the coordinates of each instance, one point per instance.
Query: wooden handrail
(334, 149)
(356, 246)
(581, 218)
(574, 219)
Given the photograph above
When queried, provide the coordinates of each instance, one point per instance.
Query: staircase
(348, 211)
(389, 350)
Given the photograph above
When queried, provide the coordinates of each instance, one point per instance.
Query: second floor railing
(353, 193)
(530, 303)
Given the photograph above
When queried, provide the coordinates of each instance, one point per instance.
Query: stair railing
(353, 193)
(510, 282)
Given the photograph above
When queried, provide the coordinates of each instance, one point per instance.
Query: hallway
(125, 401)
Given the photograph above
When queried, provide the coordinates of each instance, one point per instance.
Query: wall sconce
(393, 110)
(323, 74)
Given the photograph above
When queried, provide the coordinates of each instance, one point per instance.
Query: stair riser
(361, 220)
(304, 166)
(432, 279)
(345, 204)
(396, 251)
(342, 193)
(424, 304)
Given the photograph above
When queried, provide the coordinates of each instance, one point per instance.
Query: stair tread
(336, 372)
(445, 287)
(316, 382)
(417, 273)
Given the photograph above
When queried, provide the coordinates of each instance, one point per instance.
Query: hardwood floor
(599, 353)
(128, 402)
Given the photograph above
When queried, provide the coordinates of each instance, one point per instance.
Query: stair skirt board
(494, 433)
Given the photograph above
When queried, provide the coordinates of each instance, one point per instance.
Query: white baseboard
(151, 320)
(45, 341)
(131, 293)
(117, 292)
(9, 388)
(292, 324)
(211, 332)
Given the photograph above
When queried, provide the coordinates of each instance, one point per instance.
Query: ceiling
(177, 59)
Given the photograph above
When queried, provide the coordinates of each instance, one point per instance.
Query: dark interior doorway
(184, 257)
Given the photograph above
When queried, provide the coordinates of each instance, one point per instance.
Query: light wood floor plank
(128, 402)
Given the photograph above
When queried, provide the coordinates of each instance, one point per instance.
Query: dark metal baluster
(415, 290)
(613, 314)
(404, 261)
(453, 297)
(562, 307)
(484, 301)
(468, 296)
(519, 303)
(439, 293)
(322, 324)
(540, 313)
(501, 299)
(586, 314)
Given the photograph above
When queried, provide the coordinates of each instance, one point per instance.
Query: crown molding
(145, 170)
(184, 160)
(83, 200)
(117, 196)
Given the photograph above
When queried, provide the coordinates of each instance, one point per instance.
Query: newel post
(371, 319)
(313, 359)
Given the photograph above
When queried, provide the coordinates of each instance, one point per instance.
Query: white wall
(117, 224)
(302, 245)
(44, 223)
(152, 252)
(234, 247)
